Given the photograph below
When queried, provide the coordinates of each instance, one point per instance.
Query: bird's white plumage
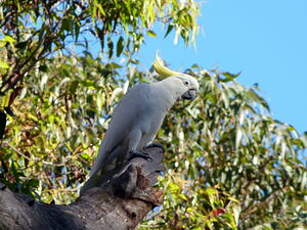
(137, 119)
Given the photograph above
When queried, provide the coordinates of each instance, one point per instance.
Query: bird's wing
(124, 120)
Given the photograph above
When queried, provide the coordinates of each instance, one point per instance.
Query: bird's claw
(155, 145)
(139, 154)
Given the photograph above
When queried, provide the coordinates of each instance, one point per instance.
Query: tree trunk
(118, 205)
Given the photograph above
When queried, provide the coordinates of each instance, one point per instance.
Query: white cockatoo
(137, 119)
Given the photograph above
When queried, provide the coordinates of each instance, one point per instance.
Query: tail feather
(95, 172)
(106, 164)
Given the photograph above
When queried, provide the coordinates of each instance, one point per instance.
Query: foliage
(30, 31)
(230, 164)
(226, 141)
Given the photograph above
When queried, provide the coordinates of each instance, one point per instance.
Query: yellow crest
(163, 71)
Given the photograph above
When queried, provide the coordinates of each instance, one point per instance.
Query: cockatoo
(137, 119)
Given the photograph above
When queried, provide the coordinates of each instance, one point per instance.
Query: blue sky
(265, 39)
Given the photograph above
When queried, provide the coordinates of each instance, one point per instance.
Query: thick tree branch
(119, 204)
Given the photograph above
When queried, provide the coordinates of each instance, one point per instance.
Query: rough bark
(118, 205)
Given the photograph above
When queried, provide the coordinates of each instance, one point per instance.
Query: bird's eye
(186, 83)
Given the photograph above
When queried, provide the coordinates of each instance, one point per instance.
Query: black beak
(189, 95)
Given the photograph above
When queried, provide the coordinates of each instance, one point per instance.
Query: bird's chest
(153, 121)
(150, 127)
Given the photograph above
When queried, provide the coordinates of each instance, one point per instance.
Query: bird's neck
(167, 93)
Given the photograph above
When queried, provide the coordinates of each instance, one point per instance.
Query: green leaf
(229, 76)
(113, 65)
(8, 39)
(253, 94)
(173, 188)
(239, 134)
(169, 29)
(119, 46)
(110, 47)
(151, 33)
(4, 65)
(196, 228)
(76, 30)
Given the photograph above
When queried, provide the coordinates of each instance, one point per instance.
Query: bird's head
(181, 87)
(188, 87)
(184, 85)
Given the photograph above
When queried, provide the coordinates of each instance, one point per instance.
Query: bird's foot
(156, 145)
(134, 154)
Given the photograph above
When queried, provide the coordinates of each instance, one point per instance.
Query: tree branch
(119, 204)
